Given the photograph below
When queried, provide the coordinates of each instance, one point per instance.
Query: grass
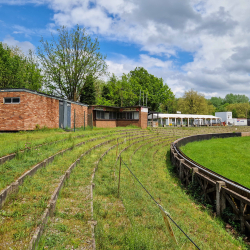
(227, 157)
(22, 211)
(11, 170)
(12, 142)
(130, 221)
(133, 221)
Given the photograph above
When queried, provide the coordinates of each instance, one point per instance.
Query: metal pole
(84, 120)
(92, 121)
(119, 176)
(140, 98)
(117, 147)
(74, 120)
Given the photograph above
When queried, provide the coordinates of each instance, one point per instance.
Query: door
(68, 115)
(61, 116)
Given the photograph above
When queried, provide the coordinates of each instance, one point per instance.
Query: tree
(88, 95)
(194, 103)
(158, 93)
(126, 90)
(69, 59)
(18, 70)
(239, 110)
(231, 99)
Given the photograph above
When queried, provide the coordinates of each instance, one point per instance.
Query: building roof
(41, 94)
(136, 106)
(185, 116)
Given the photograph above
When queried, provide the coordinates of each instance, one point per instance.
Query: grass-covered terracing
(130, 221)
(228, 157)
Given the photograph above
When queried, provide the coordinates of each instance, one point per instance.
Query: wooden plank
(236, 195)
(206, 178)
(236, 210)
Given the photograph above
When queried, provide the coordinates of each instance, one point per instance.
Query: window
(136, 115)
(112, 115)
(99, 114)
(14, 100)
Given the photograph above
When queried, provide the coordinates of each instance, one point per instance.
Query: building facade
(110, 117)
(23, 109)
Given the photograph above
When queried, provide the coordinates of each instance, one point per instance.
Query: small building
(110, 117)
(227, 119)
(160, 119)
(24, 109)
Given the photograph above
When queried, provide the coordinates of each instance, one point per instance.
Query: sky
(191, 44)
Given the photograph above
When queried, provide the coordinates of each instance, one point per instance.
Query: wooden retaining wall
(215, 189)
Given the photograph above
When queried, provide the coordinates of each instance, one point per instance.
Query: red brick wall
(79, 110)
(105, 124)
(143, 119)
(124, 123)
(33, 109)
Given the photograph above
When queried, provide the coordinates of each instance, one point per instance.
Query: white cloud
(216, 32)
(24, 46)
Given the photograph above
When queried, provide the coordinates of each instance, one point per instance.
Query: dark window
(16, 100)
(99, 114)
(112, 115)
(7, 100)
(12, 100)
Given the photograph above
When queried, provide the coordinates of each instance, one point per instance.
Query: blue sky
(203, 45)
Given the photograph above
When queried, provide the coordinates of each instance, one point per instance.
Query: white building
(182, 119)
(228, 119)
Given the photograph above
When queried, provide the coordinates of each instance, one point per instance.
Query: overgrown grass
(12, 142)
(227, 157)
(134, 221)
(11, 170)
(131, 221)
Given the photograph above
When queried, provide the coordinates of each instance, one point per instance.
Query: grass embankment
(22, 212)
(11, 170)
(71, 225)
(133, 221)
(227, 157)
(13, 142)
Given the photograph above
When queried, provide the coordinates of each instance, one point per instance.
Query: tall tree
(239, 110)
(88, 95)
(195, 103)
(69, 59)
(18, 70)
(231, 99)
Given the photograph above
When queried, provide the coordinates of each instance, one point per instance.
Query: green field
(228, 157)
(130, 221)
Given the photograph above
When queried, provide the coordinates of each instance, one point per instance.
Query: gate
(61, 114)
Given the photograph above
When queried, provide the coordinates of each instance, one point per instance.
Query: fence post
(220, 202)
(119, 176)
(74, 120)
(195, 170)
(181, 169)
(84, 120)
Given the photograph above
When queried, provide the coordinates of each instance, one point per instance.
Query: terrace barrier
(231, 199)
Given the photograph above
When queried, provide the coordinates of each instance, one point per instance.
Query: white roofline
(192, 116)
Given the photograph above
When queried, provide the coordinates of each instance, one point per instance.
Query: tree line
(71, 66)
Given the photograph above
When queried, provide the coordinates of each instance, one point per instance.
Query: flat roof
(41, 94)
(136, 106)
(192, 116)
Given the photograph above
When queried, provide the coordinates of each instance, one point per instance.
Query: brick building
(110, 117)
(23, 109)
